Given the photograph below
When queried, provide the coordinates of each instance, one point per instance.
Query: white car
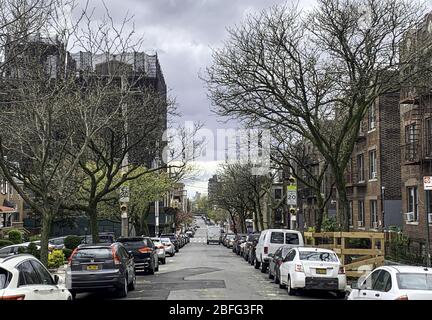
(160, 249)
(15, 249)
(23, 277)
(315, 269)
(169, 246)
(272, 239)
(394, 283)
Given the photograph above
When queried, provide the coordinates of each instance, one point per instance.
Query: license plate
(321, 271)
(92, 268)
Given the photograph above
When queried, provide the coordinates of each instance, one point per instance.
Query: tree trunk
(319, 218)
(45, 233)
(94, 228)
(343, 205)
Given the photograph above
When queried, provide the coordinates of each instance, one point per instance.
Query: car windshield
(414, 281)
(230, 236)
(133, 243)
(57, 241)
(94, 253)
(318, 256)
(165, 240)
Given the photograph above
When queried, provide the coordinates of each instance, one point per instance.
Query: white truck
(213, 234)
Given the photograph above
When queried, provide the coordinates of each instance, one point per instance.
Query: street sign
(427, 183)
(124, 194)
(292, 195)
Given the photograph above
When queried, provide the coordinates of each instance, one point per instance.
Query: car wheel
(157, 267)
(271, 276)
(123, 290)
(152, 269)
(132, 285)
(257, 264)
(291, 291)
(73, 294)
(277, 281)
(340, 294)
(263, 267)
(163, 261)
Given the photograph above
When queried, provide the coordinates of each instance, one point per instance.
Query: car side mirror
(354, 285)
(271, 255)
(56, 279)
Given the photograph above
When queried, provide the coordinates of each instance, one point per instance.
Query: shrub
(329, 225)
(56, 259)
(67, 253)
(15, 236)
(71, 242)
(5, 243)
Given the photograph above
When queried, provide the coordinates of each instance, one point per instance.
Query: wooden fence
(360, 252)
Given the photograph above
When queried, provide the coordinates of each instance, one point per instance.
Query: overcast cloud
(183, 33)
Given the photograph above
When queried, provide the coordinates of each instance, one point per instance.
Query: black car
(239, 239)
(249, 244)
(144, 253)
(173, 239)
(276, 260)
(98, 267)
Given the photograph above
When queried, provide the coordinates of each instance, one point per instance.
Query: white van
(272, 239)
(213, 234)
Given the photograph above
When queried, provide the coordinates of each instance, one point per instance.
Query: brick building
(373, 175)
(416, 136)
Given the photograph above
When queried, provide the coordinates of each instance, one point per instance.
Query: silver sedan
(160, 249)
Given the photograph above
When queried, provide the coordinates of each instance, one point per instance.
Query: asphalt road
(207, 272)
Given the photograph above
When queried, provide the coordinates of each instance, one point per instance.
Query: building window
(371, 118)
(278, 194)
(411, 140)
(428, 137)
(351, 213)
(374, 214)
(361, 213)
(372, 165)
(360, 167)
(3, 186)
(412, 204)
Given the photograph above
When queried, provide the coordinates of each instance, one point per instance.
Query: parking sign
(427, 182)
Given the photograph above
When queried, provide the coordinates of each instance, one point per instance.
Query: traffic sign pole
(427, 185)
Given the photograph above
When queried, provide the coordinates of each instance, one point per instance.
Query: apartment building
(373, 176)
(416, 136)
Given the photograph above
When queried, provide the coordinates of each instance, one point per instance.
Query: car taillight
(15, 298)
(115, 256)
(404, 297)
(71, 256)
(265, 250)
(299, 268)
(341, 270)
(145, 250)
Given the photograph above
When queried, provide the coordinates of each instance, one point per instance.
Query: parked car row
(112, 264)
(281, 253)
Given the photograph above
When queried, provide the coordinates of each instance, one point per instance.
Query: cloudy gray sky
(183, 33)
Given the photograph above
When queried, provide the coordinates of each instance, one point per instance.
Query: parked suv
(23, 277)
(272, 239)
(144, 253)
(94, 267)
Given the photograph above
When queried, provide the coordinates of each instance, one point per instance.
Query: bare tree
(314, 73)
